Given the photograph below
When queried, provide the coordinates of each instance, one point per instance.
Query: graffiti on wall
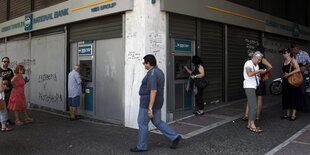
(251, 44)
(51, 98)
(47, 77)
(25, 62)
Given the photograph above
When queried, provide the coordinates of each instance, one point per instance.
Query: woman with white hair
(250, 84)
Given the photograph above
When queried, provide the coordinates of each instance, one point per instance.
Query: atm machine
(86, 60)
(181, 100)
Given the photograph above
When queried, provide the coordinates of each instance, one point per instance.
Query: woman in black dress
(291, 97)
(198, 72)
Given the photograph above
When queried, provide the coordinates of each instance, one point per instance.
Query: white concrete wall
(145, 33)
(48, 78)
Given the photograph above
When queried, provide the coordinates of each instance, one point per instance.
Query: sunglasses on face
(6, 61)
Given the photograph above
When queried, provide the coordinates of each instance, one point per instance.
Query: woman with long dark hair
(198, 72)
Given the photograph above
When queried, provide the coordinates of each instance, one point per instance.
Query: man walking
(151, 101)
(74, 91)
(7, 74)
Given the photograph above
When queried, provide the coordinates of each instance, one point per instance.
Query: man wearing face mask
(7, 74)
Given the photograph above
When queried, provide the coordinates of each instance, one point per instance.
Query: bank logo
(28, 22)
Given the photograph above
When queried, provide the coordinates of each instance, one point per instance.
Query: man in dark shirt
(6, 74)
(151, 101)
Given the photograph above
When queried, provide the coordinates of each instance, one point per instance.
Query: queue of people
(12, 95)
(257, 71)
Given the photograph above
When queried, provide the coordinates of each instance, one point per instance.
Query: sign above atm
(183, 45)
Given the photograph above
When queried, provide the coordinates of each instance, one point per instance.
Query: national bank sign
(293, 29)
(30, 20)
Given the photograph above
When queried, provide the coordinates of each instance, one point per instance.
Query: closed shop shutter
(240, 41)
(41, 4)
(48, 71)
(182, 27)
(303, 45)
(54, 30)
(212, 54)
(19, 8)
(18, 37)
(3, 10)
(2, 41)
(273, 44)
(99, 28)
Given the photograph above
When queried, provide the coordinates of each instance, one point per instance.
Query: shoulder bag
(295, 79)
(201, 82)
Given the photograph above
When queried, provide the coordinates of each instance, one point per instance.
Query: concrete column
(145, 33)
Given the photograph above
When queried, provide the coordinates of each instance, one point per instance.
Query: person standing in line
(261, 89)
(7, 74)
(151, 101)
(303, 59)
(3, 110)
(17, 100)
(198, 72)
(74, 91)
(291, 96)
(250, 84)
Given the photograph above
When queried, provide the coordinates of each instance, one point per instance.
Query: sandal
(245, 118)
(19, 123)
(293, 118)
(285, 117)
(198, 113)
(28, 120)
(256, 130)
(6, 129)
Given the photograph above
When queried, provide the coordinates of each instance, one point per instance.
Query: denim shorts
(74, 101)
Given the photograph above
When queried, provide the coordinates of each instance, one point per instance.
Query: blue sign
(183, 45)
(85, 50)
(28, 22)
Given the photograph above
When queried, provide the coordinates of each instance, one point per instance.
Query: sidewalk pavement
(298, 144)
(214, 116)
(219, 131)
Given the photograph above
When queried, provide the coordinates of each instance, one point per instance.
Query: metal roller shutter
(99, 28)
(182, 27)
(2, 41)
(212, 54)
(302, 44)
(273, 44)
(18, 37)
(240, 40)
(19, 8)
(3, 10)
(54, 30)
(41, 4)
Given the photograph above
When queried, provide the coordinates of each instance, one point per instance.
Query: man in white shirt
(74, 91)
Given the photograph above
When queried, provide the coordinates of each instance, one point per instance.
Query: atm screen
(180, 62)
(86, 70)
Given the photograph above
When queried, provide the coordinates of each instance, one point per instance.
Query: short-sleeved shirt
(302, 58)
(153, 80)
(7, 75)
(250, 82)
(74, 84)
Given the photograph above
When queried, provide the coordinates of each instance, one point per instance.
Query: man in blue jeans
(151, 101)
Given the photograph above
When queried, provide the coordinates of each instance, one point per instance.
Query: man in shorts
(74, 91)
